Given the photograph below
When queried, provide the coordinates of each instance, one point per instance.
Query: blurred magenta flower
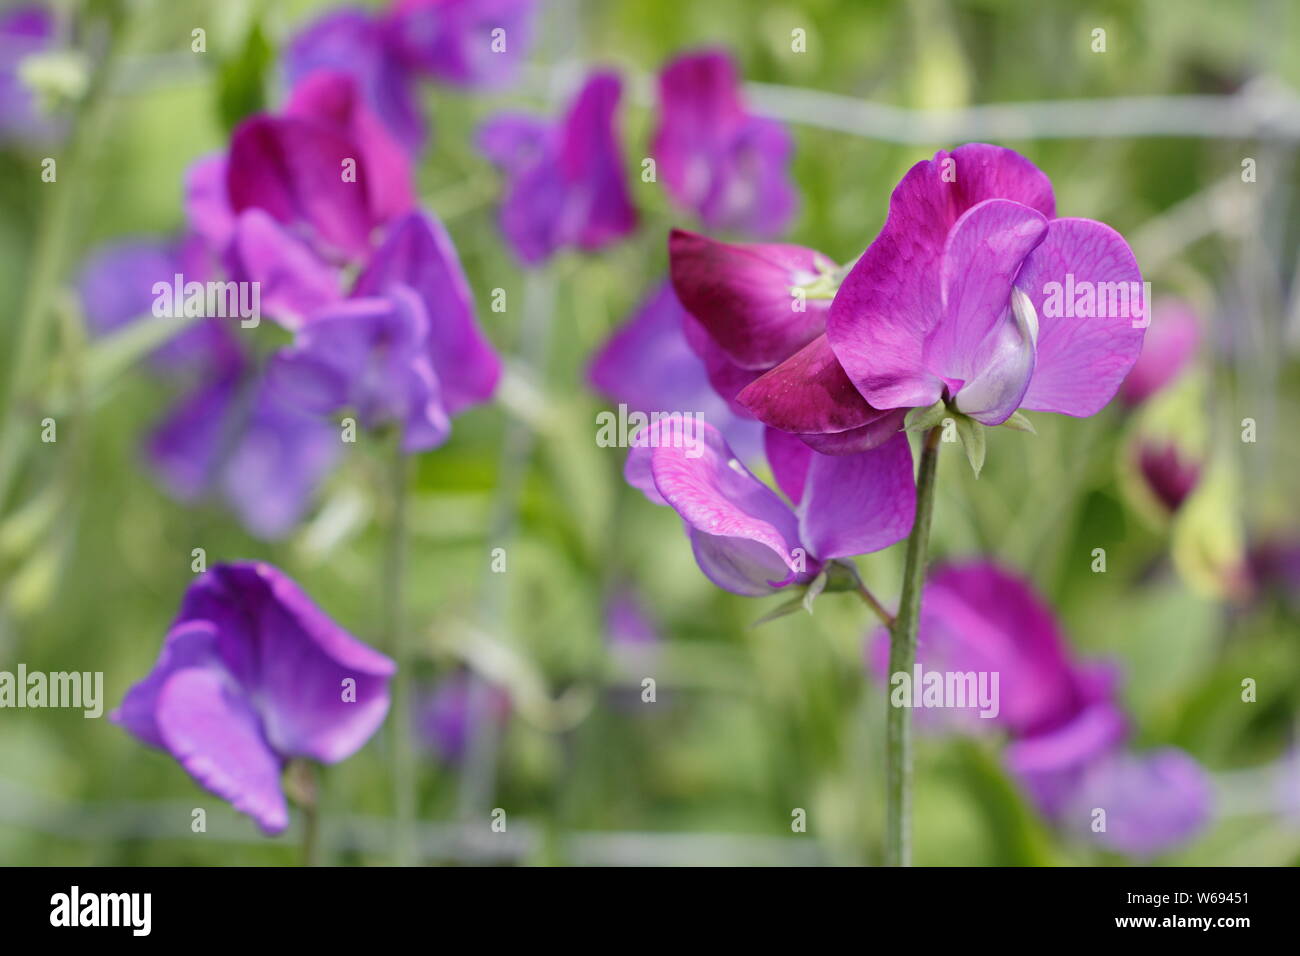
(745, 538)
(1065, 728)
(251, 674)
(648, 365)
(565, 183)
(1169, 346)
(354, 41)
(24, 30)
(474, 43)
(627, 620)
(762, 339)
(976, 294)
(443, 721)
(326, 167)
(716, 159)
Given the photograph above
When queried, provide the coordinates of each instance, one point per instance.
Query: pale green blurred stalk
(396, 641)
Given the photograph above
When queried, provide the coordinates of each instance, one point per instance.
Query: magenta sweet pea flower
(649, 366)
(759, 326)
(326, 167)
(565, 180)
(1170, 472)
(746, 539)
(353, 41)
(251, 674)
(1169, 346)
(974, 293)
(728, 166)
(473, 43)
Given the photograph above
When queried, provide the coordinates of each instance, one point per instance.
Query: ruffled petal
(857, 504)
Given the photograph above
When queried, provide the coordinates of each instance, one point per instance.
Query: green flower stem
(902, 657)
(395, 640)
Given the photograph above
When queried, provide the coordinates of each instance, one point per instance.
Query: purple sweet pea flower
(293, 281)
(648, 365)
(627, 622)
(1170, 344)
(24, 30)
(565, 180)
(753, 320)
(456, 41)
(353, 41)
(251, 674)
(370, 354)
(728, 166)
(443, 722)
(976, 294)
(746, 539)
(294, 167)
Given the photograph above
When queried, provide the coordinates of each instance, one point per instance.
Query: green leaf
(241, 83)
(1020, 423)
(971, 434)
(814, 590)
(923, 419)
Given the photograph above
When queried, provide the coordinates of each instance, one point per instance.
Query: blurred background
(1200, 588)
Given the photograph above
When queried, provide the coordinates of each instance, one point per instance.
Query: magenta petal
(891, 300)
(856, 504)
(745, 538)
(742, 295)
(789, 458)
(207, 203)
(417, 252)
(1082, 359)
(726, 377)
(810, 394)
(210, 727)
(592, 163)
(292, 168)
(294, 282)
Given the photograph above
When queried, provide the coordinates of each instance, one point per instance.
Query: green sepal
(971, 434)
(923, 419)
(1020, 423)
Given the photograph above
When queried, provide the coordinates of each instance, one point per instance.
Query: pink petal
(294, 281)
(1171, 340)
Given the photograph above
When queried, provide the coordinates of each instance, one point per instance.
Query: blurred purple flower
(1170, 344)
(24, 30)
(457, 41)
(716, 159)
(628, 622)
(1066, 730)
(746, 539)
(648, 365)
(443, 722)
(763, 343)
(353, 41)
(295, 167)
(565, 181)
(251, 674)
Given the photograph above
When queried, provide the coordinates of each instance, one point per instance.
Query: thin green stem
(877, 608)
(395, 639)
(902, 657)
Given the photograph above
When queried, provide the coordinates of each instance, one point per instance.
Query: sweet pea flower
(1169, 472)
(252, 674)
(1169, 346)
(745, 538)
(976, 294)
(325, 168)
(728, 166)
(1066, 731)
(470, 43)
(649, 366)
(564, 180)
(758, 308)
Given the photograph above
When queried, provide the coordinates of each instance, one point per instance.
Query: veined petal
(1006, 365)
(1084, 349)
